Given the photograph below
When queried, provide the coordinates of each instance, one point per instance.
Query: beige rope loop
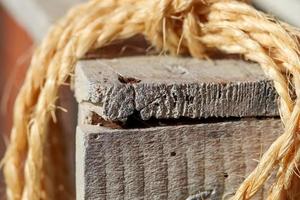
(195, 27)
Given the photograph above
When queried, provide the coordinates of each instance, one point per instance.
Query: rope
(195, 27)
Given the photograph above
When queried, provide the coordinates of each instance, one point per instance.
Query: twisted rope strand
(58, 71)
(255, 180)
(27, 97)
(175, 26)
(289, 55)
(24, 104)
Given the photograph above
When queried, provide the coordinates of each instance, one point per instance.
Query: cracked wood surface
(208, 161)
(167, 87)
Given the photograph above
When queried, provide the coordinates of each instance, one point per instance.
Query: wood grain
(169, 87)
(172, 162)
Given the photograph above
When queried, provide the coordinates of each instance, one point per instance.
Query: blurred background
(15, 51)
(24, 23)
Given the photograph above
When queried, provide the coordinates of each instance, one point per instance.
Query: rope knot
(175, 25)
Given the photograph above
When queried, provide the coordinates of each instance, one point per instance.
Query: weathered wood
(173, 162)
(208, 160)
(169, 87)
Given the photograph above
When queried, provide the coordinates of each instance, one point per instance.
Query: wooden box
(161, 127)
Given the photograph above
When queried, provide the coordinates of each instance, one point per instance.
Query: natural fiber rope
(197, 27)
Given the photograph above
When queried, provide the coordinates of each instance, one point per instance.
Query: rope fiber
(177, 27)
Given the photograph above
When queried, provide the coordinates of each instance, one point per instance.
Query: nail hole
(173, 153)
(226, 175)
(96, 137)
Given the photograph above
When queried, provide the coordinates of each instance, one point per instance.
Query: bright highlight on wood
(199, 28)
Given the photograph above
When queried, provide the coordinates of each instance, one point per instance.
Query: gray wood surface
(173, 162)
(207, 160)
(169, 87)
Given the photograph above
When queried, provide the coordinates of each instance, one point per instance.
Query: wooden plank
(169, 87)
(170, 162)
